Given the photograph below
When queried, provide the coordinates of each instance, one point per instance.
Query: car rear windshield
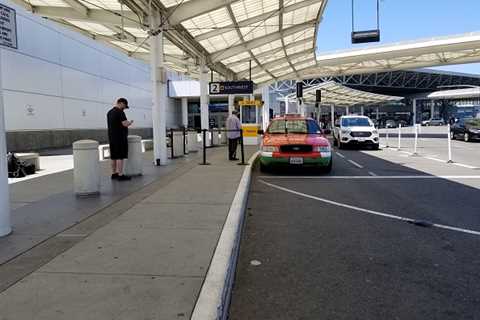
(356, 122)
(301, 126)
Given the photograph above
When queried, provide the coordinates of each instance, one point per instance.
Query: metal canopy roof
(455, 94)
(277, 36)
(339, 95)
(399, 56)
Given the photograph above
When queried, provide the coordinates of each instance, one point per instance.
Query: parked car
(433, 122)
(294, 140)
(355, 130)
(467, 129)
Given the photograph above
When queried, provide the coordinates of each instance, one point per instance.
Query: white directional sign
(8, 27)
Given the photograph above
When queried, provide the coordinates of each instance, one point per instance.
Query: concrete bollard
(134, 163)
(86, 168)
(192, 141)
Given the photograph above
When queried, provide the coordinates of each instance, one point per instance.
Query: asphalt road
(328, 251)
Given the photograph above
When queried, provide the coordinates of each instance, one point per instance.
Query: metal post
(159, 92)
(347, 110)
(204, 140)
(377, 115)
(362, 110)
(449, 145)
(386, 138)
(184, 140)
(286, 105)
(171, 144)
(5, 223)
(242, 149)
(399, 135)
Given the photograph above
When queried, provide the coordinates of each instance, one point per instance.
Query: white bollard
(192, 141)
(86, 168)
(134, 163)
(399, 135)
(449, 145)
(387, 139)
(416, 138)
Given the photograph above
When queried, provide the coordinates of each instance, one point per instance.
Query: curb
(214, 298)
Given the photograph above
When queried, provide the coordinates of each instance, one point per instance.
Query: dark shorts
(119, 149)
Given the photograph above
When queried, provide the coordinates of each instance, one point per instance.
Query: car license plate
(296, 160)
(361, 139)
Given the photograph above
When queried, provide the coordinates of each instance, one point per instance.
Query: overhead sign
(231, 87)
(245, 102)
(366, 36)
(8, 27)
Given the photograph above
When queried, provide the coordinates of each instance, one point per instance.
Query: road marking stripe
(369, 177)
(340, 155)
(435, 159)
(377, 213)
(356, 164)
(372, 173)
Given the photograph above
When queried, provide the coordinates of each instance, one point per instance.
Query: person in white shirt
(233, 123)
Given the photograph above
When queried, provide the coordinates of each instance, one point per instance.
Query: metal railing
(207, 136)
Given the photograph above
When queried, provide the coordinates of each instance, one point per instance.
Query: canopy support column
(332, 115)
(377, 114)
(414, 110)
(185, 112)
(266, 107)
(362, 110)
(231, 103)
(204, 115)
(159, 93)
(286, 105)
(347, 110)
(432, 110)
(5, 224)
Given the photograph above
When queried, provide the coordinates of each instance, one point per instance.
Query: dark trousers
(232, 148)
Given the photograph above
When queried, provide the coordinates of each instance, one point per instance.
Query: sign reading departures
(231, 87)
(8, 27)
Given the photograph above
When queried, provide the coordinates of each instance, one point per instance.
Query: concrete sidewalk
(144, 256)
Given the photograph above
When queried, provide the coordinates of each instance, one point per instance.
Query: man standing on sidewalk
(117, 137)
(233, 123)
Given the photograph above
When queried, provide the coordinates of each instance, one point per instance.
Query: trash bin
(215, 137)
(86, 168)
(134, 163)
(223, 136)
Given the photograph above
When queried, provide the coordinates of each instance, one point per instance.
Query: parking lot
(386, 235)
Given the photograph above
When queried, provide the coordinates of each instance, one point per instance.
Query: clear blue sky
(400, 20)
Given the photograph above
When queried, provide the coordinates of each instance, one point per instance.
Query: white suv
(355, 130)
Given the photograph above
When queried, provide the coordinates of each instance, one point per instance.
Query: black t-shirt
(116, 130)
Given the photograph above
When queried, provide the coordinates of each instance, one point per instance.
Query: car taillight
(269, 149)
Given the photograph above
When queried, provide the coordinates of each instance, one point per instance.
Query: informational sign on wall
(8, 27)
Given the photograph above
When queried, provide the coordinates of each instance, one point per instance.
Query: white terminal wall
(60, 79)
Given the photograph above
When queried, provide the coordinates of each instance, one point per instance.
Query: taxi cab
(294, 140)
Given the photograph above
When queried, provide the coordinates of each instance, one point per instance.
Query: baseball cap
(124, 101)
